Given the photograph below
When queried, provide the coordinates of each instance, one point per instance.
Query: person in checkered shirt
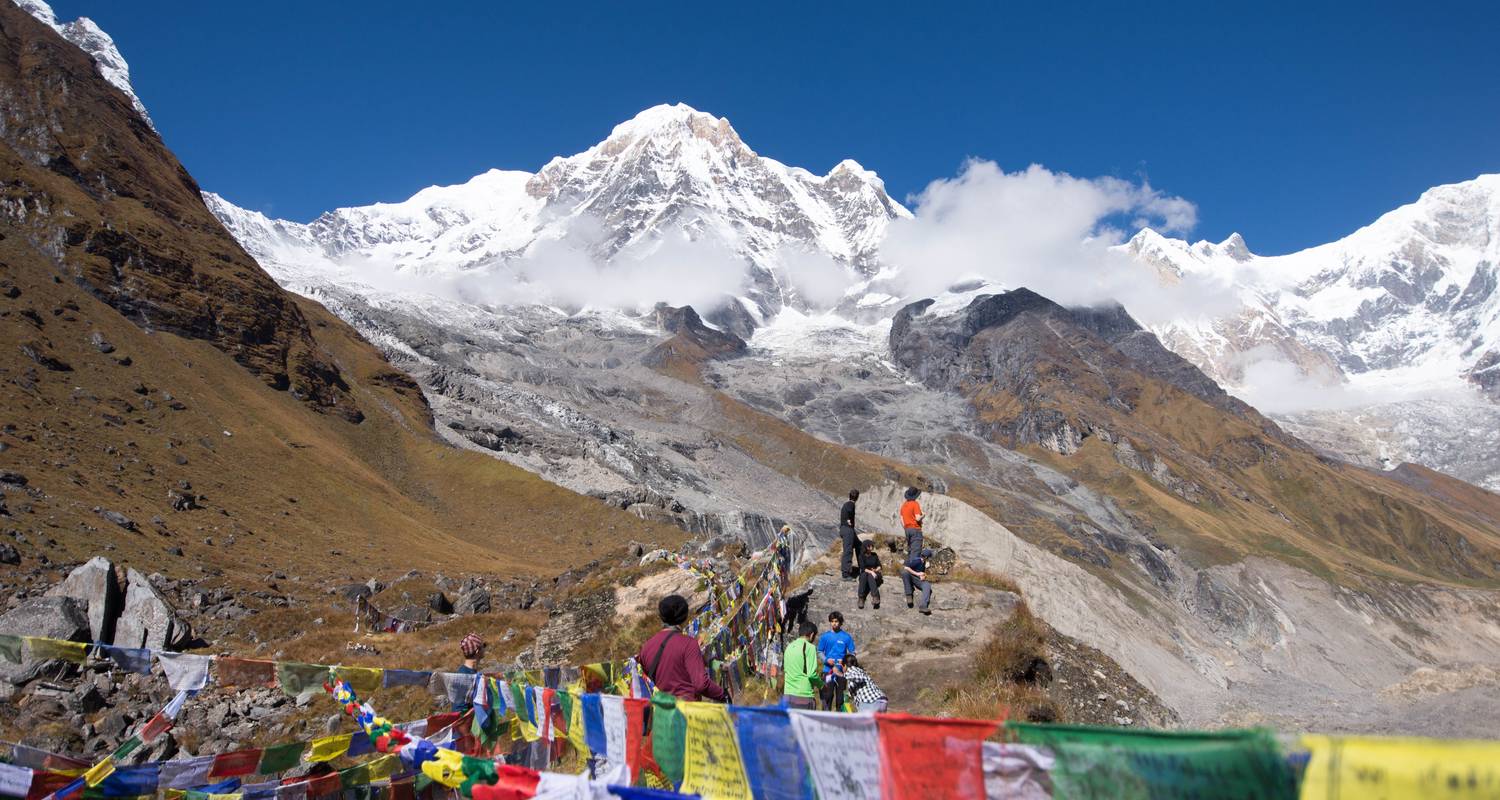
(867, 696)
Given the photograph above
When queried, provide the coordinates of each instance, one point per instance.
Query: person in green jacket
(800, 668)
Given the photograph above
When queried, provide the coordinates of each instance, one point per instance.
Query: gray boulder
(473, 601)
(96, 585)
(48, 617)
(8, 553)
(148, 620)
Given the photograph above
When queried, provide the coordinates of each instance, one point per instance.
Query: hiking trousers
(846, 561)
(909, 584)
(869, 586)
(913, 541)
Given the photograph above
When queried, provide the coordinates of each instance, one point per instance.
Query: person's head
(912, 492)
(807, 630)
(673, 610)
(472, 647)
(853, 494)
(786, 529)
(835, 620)
(869, 546)
(850, 660)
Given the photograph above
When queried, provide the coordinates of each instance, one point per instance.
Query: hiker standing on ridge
(799, 668)
(673, 660)
(914, 576)
(833, 645)
(472, 649)
(911, 520)
(869, 575)
(849, 537)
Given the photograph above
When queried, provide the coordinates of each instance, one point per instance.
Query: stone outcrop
(47, 617)
(96, 585)
(148, 620)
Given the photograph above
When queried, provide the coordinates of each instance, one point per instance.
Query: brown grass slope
(1106, 404)
(311, 453)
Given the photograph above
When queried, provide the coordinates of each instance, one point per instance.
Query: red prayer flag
(403, 790)
(932, 759)
(437, 722)
(513, 783)
(155, 727)
(636, 744)
(45, 783)
(325, 784)
(235, 764)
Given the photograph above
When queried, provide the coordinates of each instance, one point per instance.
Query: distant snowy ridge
(1412, 297)
(91, 39)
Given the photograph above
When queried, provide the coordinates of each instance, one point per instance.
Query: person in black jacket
(869, 575)
(850, 539)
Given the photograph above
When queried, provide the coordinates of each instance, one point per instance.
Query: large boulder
(148, 620)
(96, 585)
(47, 617)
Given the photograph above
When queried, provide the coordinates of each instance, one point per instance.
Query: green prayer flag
(565, 703)
(1120, 763)
(355, 776)
(280, 758)
(668, 735)
(297, 679)
(126, 749)
(10, 648)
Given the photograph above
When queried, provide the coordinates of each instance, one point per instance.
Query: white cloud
(1049, 232)
(817, 279)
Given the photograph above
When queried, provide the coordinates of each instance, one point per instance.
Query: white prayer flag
(842, 752)
(185, 672)
(14, 781)
(188, 773)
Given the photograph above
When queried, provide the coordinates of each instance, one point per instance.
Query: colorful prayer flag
(1129, 764)
(929, 758)
(842, 752)
(773, 761)
(57, 649)
(1347, 767)
(711, 756)
(329, 747)
(280, 758)
(235, 764)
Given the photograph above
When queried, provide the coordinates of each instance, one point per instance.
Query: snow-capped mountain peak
(92, 39)
(671, 167)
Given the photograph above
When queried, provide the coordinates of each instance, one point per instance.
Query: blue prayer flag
(774, 762)
(593, 724)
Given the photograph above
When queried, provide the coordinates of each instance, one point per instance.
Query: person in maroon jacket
(673, 660)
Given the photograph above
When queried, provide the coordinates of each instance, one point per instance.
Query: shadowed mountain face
(163, 396)
(90, 186)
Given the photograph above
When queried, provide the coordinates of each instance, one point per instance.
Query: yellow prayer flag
(712, 765)
(447, 768)
(363, 680)
(575, 728)
(62, 650)
(97, 773)
(174, 794)
(225, 796)
(328, 748)
(1348, 767)
(384, 767)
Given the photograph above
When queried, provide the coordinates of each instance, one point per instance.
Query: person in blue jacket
(833, 645)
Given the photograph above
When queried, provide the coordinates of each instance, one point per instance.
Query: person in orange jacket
(911, 520)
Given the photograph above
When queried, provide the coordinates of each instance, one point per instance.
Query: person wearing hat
(672, 659)
(914, 576)
(472, 649)
(911, 520)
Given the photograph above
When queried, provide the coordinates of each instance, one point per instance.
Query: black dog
(796, 610)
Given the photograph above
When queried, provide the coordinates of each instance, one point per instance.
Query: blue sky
(1293, 124)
